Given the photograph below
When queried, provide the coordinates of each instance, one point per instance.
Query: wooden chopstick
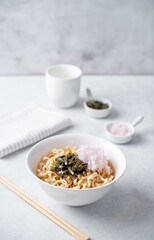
(76, 233)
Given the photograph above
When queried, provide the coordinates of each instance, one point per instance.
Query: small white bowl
(98, 113)
(120, 139)
(75, 197)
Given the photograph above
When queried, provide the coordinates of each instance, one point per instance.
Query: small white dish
(122, 139)
(96, 113)
(75, 197)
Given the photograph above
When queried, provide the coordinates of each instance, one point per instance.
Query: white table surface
(127, 211)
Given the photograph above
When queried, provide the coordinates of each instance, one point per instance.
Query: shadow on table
(125, 207)
(79, 104)
(113, 115)
(142, 137)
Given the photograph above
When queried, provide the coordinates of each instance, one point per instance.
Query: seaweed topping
(97, 104)
(70, 164)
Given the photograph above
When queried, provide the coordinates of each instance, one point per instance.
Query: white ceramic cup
(63, 84)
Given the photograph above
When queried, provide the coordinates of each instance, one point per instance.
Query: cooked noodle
(86, 179)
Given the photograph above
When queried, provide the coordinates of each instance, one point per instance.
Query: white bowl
(98, 113)
(120, 139)
(74, 197)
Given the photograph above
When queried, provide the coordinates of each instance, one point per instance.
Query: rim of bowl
(64, 65)
(71, 189)
(98, 99)
(120, 137)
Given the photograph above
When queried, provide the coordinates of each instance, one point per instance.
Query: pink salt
(93, 156)
(119, 129)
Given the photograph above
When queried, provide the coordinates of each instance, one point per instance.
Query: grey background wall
(101, 36)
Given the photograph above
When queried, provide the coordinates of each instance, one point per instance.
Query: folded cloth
(28, 126)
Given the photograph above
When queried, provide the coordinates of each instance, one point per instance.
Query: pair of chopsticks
(76, 233)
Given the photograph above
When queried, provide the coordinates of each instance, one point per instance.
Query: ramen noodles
(76, 168)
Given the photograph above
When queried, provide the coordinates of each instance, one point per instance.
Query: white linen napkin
(28, 126)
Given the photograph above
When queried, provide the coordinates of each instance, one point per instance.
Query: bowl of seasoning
(97, 107)
(121, 132)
